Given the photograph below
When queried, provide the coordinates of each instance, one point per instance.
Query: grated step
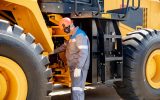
(113, 59)
(112, 36)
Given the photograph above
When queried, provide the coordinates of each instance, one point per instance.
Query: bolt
(44, 6)
(14, 8)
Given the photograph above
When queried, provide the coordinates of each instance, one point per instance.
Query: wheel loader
(125, 46)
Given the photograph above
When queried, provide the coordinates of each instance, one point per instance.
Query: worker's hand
(77, 72)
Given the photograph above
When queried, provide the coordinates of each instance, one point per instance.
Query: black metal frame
(74, 7)
(109, 62)
(65, 8)
(106, 61)
(100, 48)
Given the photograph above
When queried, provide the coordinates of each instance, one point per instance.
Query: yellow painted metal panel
(152, 7)
(125, 29)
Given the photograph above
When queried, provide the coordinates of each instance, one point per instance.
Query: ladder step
(114, 80)
(109, 36)
(112, 36)
(113, 58)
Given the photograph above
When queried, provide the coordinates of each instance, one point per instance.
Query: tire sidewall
(21, 52)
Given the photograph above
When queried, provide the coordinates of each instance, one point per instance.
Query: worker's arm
(83, 46)
(61, 48)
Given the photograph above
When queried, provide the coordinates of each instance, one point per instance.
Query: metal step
(112, 36)
(111, 81)
(107, 59)
(109, 37)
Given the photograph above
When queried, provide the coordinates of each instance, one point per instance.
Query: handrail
(75, 8)
(99, 8)
(133, 6)
(126, 10)
(127, 7)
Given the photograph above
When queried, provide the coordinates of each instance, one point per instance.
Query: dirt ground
(100, 92)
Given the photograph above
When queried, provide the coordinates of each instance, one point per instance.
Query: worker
(78, 55)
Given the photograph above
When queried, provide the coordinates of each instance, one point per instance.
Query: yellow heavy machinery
(125, 46)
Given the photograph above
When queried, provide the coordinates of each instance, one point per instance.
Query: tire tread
(38, 49)
(128, 89)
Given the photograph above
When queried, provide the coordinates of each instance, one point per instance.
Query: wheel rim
(13, 82)
(153, 69)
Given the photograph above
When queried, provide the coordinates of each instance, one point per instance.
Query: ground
(100, 92)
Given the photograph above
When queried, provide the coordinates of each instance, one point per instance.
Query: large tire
(137, 48)
(20, 47)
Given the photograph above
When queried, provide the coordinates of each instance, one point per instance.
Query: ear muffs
(66, 29)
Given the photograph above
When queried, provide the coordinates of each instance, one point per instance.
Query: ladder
(109, 58)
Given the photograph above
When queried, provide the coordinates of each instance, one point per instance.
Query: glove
(77, 72)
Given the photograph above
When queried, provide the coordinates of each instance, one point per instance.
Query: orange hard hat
(65, 22)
